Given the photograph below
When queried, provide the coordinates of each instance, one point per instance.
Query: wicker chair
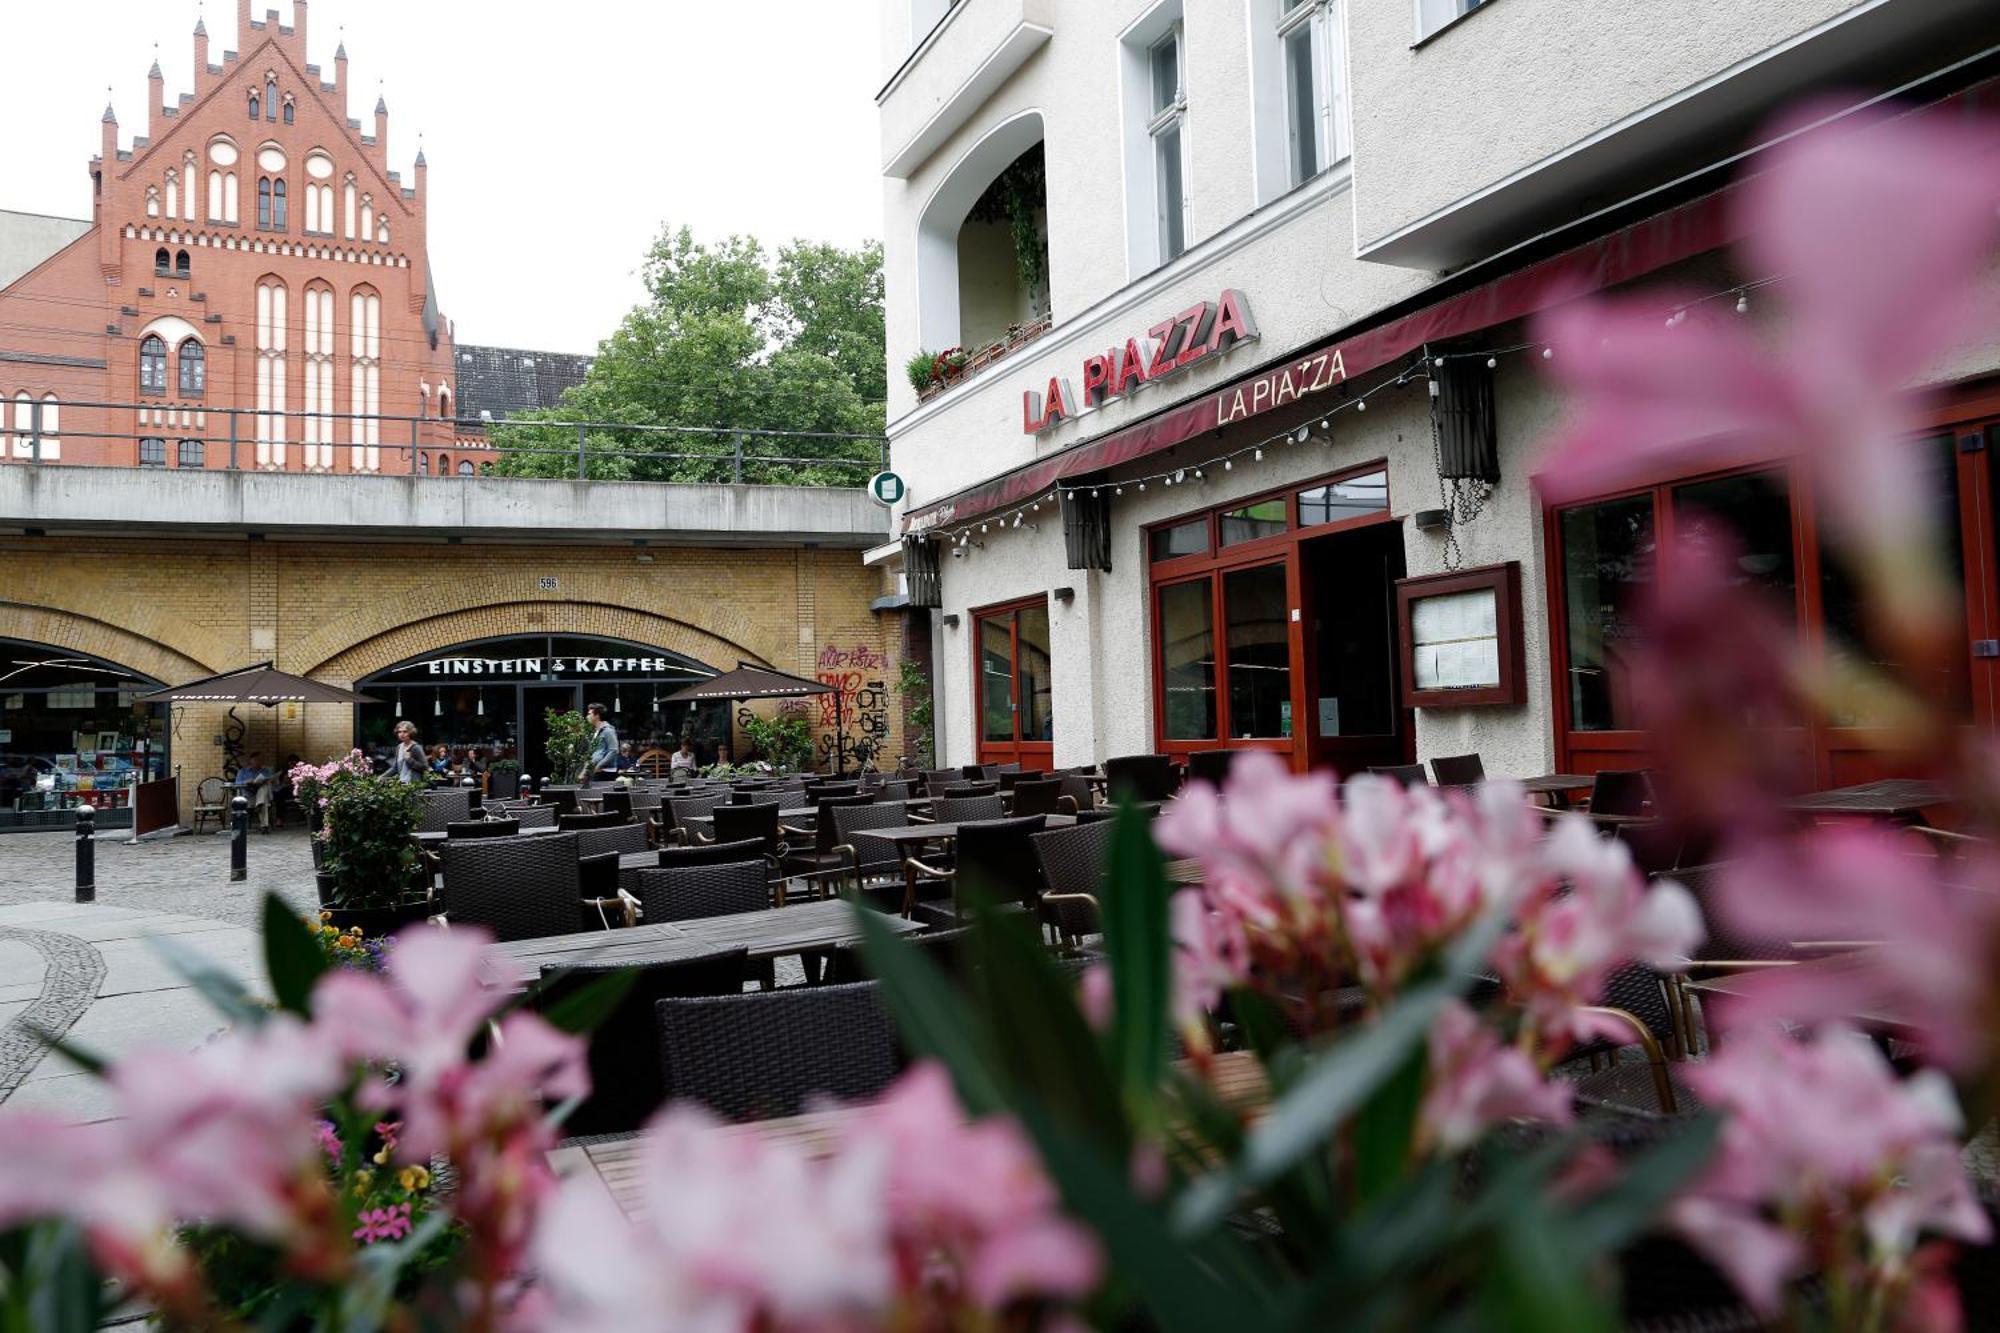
(962, 789)
(1211, 766)
(443, 807)
(812, 849)
(624, 1090)
(561, 795)
(754, 1056)
(1639, 1000)
(1621, 791)
(616, 800)
(1080, 790)
(734, 823)
(710, 853)
(503, 786)
(994, 858)
(687, 893)
(1140, 777)
(937, 779)
(518, 888)
(679, 808)
(869, 866)
(574, 823)
(893, 789)
(1072, 862)
(962, 809)
(211, 801)
(605, 904)
(621, 839)
(949, 949)
(1457, 770)
(1041, 796)
(533, 816)
(1410, 775)
(483, 828)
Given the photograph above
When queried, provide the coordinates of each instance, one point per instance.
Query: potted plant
(568, 747)
(371, 873)
(918, 368)
(503, 779)
(310, 782)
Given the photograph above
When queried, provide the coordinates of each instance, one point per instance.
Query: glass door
(1016, 717)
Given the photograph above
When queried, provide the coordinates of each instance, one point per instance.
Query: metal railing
(261, 440)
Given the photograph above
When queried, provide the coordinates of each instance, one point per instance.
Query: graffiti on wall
(852, 723)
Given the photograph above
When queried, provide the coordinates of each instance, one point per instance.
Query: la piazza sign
(1167, 348)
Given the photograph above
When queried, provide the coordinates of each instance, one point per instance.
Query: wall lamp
(1431, 520)
(950, 622)
(1063, 595)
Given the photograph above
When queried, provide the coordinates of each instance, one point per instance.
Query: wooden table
(439, 838)
(773, 933)
(796, 813)
(1560, 788)
(615, 1163)
(922, 835)
(1902, 800)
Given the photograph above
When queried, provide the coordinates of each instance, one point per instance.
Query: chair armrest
(619, 902)
(634, 909)
(795, 832)
(914, 870)
(1066, 805)
(1663, 1087)
(1096, 908)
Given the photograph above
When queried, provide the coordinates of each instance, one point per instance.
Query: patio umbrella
(260, 684)
(755, 682)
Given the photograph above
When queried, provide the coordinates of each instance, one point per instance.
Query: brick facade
(74, 326)
(177, 610)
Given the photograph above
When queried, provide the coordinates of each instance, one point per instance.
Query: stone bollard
(239, 839)
(86, 854)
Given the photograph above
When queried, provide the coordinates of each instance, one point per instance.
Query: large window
(1309, 36)
(1016, 717)
(1187, 660)
(1435, 14)
(273, 428)
(75, 732)
(194, 369)
(152, 364)
(1255, 611)
(1607, 567)
(1167, 129)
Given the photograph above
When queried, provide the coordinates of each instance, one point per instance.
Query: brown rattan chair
(483, 828)
(1141, 777)
(621, 839)
(756, 1056)
(1211, 766)
(1410, 775)
(572, 823)
(1041, 796)
(533, 816)
(958, 809)
(518, 888)
(687, 893)
(443, 807)
(994, 858)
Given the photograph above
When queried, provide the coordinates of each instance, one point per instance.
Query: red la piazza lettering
(1169, 347)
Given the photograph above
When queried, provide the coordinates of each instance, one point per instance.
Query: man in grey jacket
(603, 743)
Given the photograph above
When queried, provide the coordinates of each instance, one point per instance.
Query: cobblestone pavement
(186, 875)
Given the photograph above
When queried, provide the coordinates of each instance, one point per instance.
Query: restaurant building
(1223, 410)
(471, 610)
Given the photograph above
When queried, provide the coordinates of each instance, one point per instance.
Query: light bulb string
(1419, 369)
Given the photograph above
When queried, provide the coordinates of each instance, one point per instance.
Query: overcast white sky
(560, 133)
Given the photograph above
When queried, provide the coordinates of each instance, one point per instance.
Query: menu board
(1455, 640)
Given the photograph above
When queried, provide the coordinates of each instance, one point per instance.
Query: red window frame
(1027, 753)
(1830, 755)
(1211, 565)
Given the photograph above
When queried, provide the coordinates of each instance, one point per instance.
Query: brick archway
(97, 638)
(501, 619)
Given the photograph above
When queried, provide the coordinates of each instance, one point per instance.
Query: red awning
(1666, 238)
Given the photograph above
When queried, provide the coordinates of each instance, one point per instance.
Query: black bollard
(239, 838)
(475, 799)
(86, 854)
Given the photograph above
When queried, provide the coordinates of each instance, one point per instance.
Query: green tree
(728, 340)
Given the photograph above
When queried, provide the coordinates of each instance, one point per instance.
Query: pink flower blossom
(1931, 929)
(1823, 1144)
(1475, 1083)
(377, 1224)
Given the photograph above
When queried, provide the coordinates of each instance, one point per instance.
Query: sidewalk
(87, 971)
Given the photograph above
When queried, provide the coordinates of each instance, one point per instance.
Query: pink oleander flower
(378, 1224)
(1565, 946)
(1931, 932)
(1878, 229)
(915, 1219)
(1826, 1163)
(1476, 1082)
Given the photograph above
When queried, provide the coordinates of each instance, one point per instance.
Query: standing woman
(408, 762)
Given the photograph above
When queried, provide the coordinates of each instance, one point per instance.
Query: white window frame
(1429, 26)
(1171, 118)
(1330, 126)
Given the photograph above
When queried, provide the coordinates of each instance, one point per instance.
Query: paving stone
(116, 1025)
(73, 1095)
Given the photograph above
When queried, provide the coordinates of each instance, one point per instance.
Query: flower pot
(503, 786)
(377, 921)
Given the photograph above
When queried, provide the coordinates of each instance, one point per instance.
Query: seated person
(624, 761)
(253, 780)
(685, 760)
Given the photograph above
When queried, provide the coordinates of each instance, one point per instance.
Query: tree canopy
(729, 340)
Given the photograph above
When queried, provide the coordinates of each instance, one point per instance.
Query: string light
(1260, 454)
(1548, 353)
(1228, 466)
(1493, 363)
(1743, 303)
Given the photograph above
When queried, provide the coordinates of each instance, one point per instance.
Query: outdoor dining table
(771, 933)
(1560, 788)
(797, 813)
(437, 837)
(614, 1162)
(1899, 800)
(922, 835)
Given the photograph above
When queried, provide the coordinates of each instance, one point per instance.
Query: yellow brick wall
(178, 610)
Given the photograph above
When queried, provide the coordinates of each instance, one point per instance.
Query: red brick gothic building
(253, 277)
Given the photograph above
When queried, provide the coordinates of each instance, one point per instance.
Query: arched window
(229, 197)
(253, 105)
(367, 216)
(382, 231)
(190, 177)
(173, 209)
(364, 382)
(194, 369)
(162, 260)
(347, 192)
(152, 201)
(192, 454)
(279, 218)
(51, 426)
(182, 266)
(271, 422)
(215, 196)
(444, 402)
(270, 97)
(290, 110)
(465, 467)
(153, 364)
(485, 469)
(444, 465)
(319, 376)
(152, 452)
(264, 201)
(423, 464)
(24, 424)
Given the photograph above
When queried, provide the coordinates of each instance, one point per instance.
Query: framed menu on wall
(1460, 638)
